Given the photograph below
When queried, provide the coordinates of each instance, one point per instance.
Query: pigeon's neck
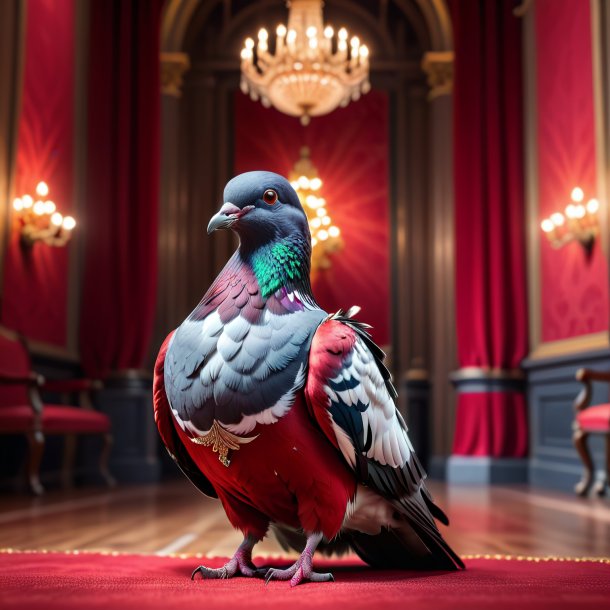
(283, 263)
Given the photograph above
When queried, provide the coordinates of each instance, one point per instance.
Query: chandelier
(311, 71)
(325, 236)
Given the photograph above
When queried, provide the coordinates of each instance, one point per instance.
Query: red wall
(574, 290)
(34, 294)
(350, 149)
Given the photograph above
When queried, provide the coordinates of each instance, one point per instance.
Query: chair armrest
(31, 380)
(34, 382)
(586, 376)
(72, 385)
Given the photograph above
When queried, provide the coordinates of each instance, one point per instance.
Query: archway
(405, 37)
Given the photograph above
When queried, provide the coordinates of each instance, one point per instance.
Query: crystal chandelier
(325, 236)
(311, 71)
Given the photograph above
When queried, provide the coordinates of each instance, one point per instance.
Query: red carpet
(89, 580)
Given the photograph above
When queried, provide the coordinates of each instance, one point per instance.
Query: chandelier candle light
(325, 236)
(578, 222)
(40, 221)
(311, 71)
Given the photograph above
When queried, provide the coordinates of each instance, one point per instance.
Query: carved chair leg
(36, 449)
(580, 442)
(600, 487)
(67, 467)
(104, 457)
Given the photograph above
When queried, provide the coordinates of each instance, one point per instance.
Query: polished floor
(174, 518)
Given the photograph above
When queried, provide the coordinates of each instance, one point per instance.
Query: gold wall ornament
(438, 66)
(309, 71)
(325, 236)
(222, 441)
(523, 8)
(173, 67)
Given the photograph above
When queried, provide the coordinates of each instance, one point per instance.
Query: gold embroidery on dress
(222, 442)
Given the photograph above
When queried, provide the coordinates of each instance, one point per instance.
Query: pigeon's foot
(302, 569)
(234, 567)
(239, 565)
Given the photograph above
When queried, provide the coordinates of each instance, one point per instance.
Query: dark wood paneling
(128, 403)
(441, 243)
(552, 388)
(12, 28)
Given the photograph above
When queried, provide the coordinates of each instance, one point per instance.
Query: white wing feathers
(361, 388)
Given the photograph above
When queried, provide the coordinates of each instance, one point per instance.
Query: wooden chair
(22, 411)
(590, 420)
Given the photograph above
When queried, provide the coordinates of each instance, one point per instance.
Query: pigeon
(285, 412)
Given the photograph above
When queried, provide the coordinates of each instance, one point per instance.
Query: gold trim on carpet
(532, 558)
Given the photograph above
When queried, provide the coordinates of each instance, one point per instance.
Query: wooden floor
(174, 518)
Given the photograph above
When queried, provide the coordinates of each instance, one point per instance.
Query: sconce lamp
(39, 220)
(325, 236)
(579, 222)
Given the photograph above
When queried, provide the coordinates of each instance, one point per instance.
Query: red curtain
(491, 300)
(35, 285)
(120, 265)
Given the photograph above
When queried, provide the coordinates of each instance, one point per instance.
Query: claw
(321, 577)
(239, 564)
(277, 574)
(269, 575)
(301, 576)
(209, 573)
(297, 575)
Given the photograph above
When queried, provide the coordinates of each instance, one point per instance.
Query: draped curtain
(120, 261)
(491, 301)
(11, 50)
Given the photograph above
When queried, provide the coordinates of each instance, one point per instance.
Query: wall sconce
(39, 220)
(325, 236)
(579, 222)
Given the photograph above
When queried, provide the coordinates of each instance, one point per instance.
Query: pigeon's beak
(227, 216)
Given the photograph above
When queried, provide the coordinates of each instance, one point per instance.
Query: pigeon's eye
(270, 196)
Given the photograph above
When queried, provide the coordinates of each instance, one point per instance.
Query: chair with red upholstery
(22, 410)
(591, 420)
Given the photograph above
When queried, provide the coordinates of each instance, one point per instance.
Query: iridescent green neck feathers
(283, 263)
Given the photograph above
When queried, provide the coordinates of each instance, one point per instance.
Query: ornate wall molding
(438, 66)
(472, 379)
(573, 345)
(173, 68)
(600, 38)
(541, 350)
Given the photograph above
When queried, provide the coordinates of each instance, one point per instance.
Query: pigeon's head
(261, 207)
